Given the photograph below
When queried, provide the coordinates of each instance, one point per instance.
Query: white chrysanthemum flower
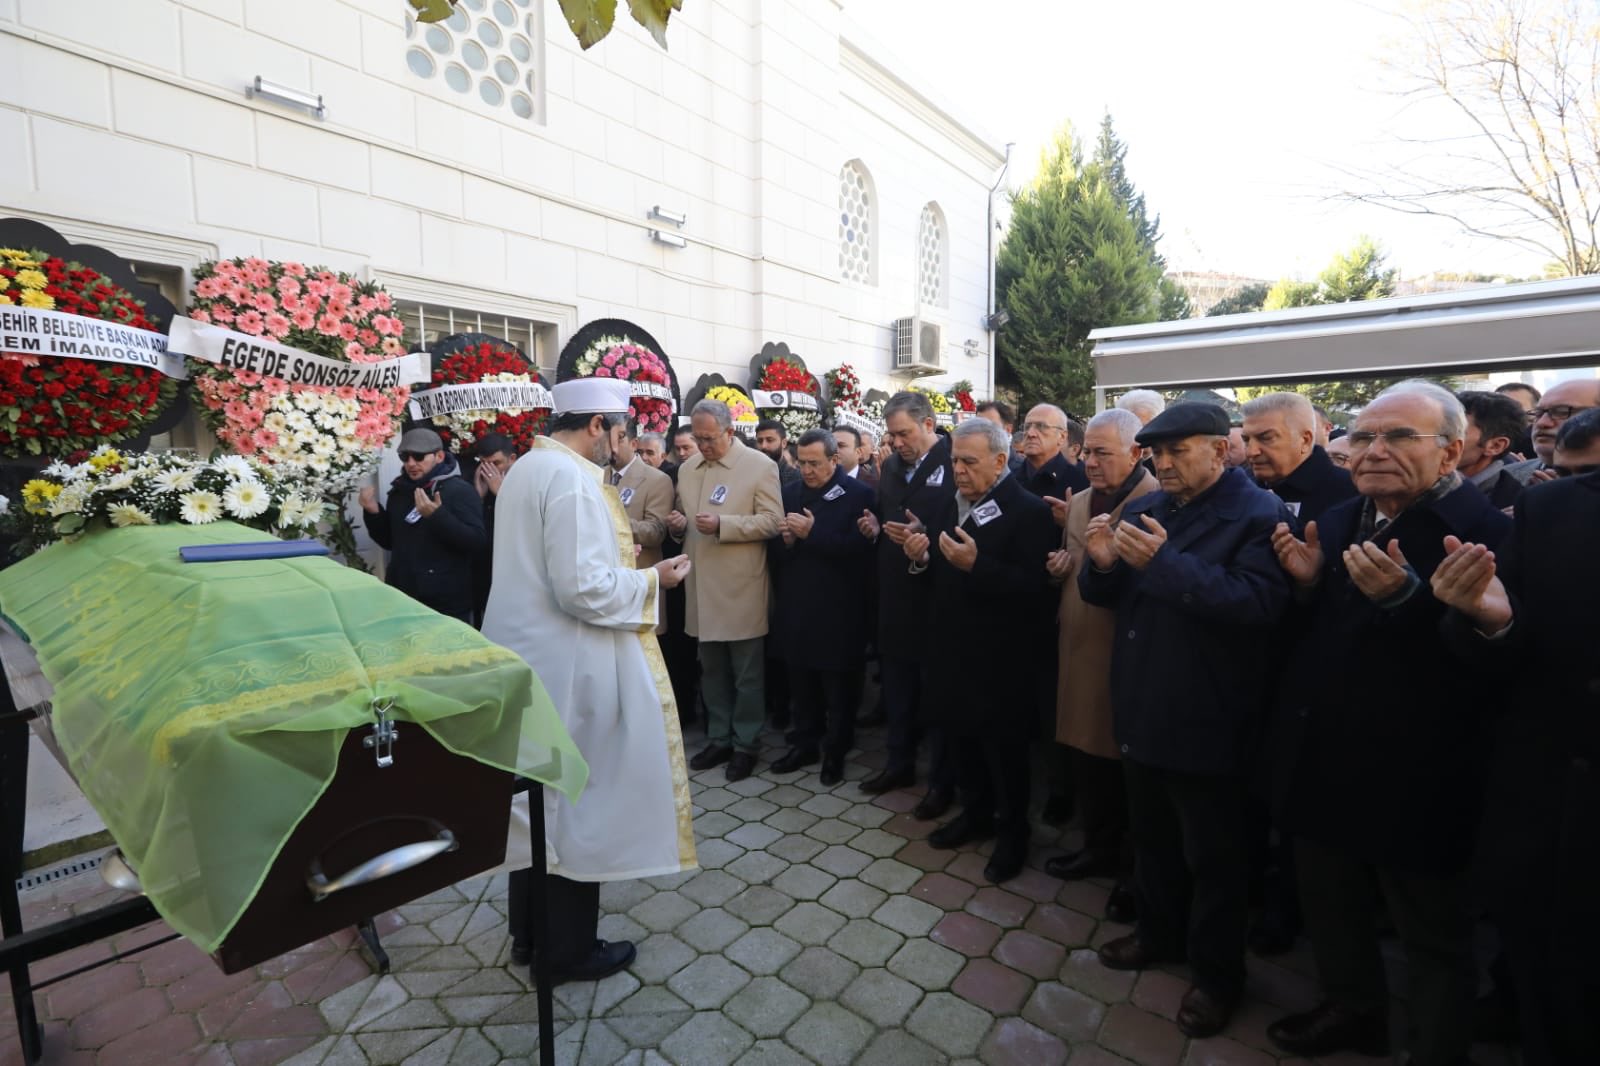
(235, 466)
(246, 499)
(58, 470)
(126, 514)
(118, 483)
(318, 464)
(290, 510)
(70, 500)
(307, 401)
(200, 508)
(275, 422)
(311, 513)
(323, 447)
(177, 480)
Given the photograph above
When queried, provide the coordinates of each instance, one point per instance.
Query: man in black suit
(1280, 434)
(1378, 744)
(1527, 613)
(916, 481)
(1494, 422)
(984, 551)
(1045, 470)
(821, 566)
(1191, 575)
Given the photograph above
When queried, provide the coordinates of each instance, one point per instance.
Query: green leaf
(653, 15)
(433, 10)
(589, 20)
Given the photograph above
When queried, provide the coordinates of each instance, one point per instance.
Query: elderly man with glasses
(1557, 405)
(1378, 746)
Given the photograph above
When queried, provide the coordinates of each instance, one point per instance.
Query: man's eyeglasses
(1040, 427)
(413, 457)
(1560, 412)
(1361, 439)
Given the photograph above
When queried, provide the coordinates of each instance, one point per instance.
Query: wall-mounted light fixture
(971, 347)
(282, 94)
(994, 322)
(676, 218)
(671, 239)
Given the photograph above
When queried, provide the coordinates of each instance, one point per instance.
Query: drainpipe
(988, 320)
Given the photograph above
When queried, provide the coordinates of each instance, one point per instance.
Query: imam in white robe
(566, 597)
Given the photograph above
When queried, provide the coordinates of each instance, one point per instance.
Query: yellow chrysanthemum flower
(32, 279)
(5, 300)
(37, 494)
(35, 298)
(5, 282)
(106, 459)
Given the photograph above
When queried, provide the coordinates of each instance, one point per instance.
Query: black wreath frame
(566, 366)
(27, 233)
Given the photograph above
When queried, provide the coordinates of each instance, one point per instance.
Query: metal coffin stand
(389, 829)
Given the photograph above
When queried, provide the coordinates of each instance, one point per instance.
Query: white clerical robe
(566, 597)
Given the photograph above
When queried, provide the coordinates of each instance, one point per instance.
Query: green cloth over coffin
(202, 706)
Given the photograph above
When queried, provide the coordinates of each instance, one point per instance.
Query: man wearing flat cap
(567, 598)
(431, 523)
(1191, 574)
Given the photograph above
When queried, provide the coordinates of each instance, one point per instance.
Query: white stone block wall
(127, 121)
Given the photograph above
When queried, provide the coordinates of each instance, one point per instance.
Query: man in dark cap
(432, 524)
(1192, 576)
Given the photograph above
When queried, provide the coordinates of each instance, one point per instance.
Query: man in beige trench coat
(1083, 694)
(728, 507)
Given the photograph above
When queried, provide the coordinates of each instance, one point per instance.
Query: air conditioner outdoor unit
(918, 345)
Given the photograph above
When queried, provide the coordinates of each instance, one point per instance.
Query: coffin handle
(379, 866)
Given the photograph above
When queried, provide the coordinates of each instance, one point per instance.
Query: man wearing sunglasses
(432, 524)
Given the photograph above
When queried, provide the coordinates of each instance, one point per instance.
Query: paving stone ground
(821, 929)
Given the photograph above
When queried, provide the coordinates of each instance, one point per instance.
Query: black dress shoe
(1330, 1028)
(711, 755)
(1058, 810)
(521, 954)
(889, 780)
(795, 759)
(741, 766)
(1007, 861)
(1130, 953)
(607, 958)
(832, 771)
(1204, 1013)
(1076, 865)
(1122, 905)
(962, 829)
(934, 804)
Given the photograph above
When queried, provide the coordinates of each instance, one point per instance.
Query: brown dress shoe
(1129, 953)
(1204, 1013)
(1329, 1028)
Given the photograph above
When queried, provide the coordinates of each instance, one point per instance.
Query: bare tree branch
(1524, 78)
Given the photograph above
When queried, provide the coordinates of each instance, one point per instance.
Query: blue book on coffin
(257, 549)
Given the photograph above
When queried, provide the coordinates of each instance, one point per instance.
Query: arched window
(933, 257)
(858, 225)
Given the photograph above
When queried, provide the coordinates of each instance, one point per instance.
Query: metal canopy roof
(1542, 324)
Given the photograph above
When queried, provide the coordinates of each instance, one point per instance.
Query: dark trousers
(995, 774)
(731, 680)
(906, 701)
(824, 709)
(683, 667)
(1557, 988)
(775, 684)
(1192, 873)
(1339, 895)
(1102, 806)
(574, 915)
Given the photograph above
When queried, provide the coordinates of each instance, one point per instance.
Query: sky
(1242, 118)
